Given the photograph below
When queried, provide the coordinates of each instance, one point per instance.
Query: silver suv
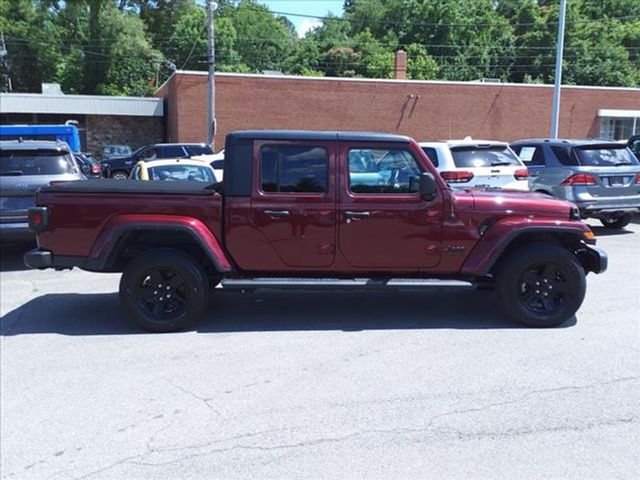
(601, 177)
(26, 166)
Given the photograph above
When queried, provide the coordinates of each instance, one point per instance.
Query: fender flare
(118, 226)
(488, 250)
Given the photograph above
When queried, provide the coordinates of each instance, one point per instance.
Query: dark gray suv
(601, 177)
(26, 166)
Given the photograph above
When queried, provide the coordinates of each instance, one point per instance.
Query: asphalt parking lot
(323, 385)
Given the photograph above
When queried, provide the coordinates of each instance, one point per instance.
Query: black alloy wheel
(540, 285)
(164, 290)
(543, 289)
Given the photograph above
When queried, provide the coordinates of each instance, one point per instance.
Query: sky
(318, 8)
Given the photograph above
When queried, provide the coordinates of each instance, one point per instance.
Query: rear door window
(170, 151)
(474, 156)
(530, 155)
(38, 162)
(293, 169)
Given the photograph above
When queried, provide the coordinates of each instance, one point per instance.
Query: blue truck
(63, 133)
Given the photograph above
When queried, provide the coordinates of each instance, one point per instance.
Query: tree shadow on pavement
(101, 314)
(11, 256)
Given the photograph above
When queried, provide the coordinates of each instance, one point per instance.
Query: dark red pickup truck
(316, 210)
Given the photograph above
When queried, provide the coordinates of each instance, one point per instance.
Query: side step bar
(337, 283)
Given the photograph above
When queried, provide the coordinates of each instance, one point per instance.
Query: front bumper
(594, 259)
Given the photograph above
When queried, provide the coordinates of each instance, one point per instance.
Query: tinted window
(605, 156)
(177, 172)
(432, 154)
(40, 162)
(293, 169)
(530, 155)
(493, 156)
(383, 171)
(199, 150)
(147, 154)
(170, 151)
(564, 156)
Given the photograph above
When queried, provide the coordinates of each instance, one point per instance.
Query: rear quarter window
(40, 162)
(432, 154)
(565, 156)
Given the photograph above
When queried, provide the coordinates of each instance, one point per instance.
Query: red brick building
(425, 110)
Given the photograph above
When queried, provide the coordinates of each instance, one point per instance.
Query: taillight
(96, 169)
(579, 179)
(638, 178)
(38, 218)
(457, 176)
(521, 174)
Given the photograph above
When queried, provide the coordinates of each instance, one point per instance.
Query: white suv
(473, 163)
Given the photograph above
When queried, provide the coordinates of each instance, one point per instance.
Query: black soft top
(133, 187)
(319, 135)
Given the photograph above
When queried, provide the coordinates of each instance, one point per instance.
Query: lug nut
(168, 287)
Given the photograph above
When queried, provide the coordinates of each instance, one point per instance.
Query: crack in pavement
(205, 400)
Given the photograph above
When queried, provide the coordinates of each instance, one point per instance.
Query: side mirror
(427, 187)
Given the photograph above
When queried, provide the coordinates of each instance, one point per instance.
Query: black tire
(617, 222)
(541, 285)
(163, 290)
(120, 175)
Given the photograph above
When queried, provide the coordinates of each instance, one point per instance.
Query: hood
(515, 202)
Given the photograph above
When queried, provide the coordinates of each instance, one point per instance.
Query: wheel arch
(487, 255)
(125, 236)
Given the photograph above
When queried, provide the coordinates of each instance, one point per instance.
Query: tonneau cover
(133, 187)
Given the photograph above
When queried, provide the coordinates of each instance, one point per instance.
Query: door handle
(277, 213)
(534, 174)
(350, 214)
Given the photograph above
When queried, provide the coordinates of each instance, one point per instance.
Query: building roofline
(81, 104)
(392, 80)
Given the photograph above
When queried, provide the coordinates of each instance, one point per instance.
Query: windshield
(40, 162)
(194, 173)
(474, 156)
(609, 156)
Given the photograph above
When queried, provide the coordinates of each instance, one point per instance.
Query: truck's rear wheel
(541, 285)
(163, 290)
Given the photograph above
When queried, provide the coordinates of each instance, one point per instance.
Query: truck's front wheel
(541, 285)
(164, 290)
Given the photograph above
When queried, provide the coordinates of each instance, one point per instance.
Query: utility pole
(555, 115)
(211, 84)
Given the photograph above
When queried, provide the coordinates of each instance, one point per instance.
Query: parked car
(601, 177)
(26, 166)
(216, 161)
(174, 170)
(120, 168)
(115, 151)
(473, 163)
(634, 144)
(289, 216)
(89, 166)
